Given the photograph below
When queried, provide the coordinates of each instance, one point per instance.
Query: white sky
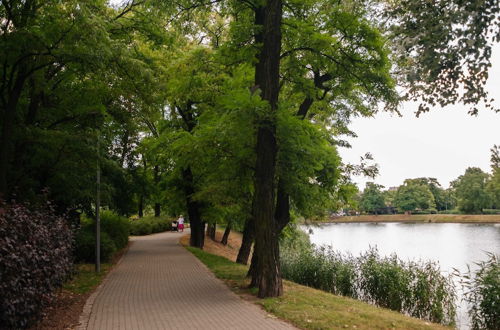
(441, 143)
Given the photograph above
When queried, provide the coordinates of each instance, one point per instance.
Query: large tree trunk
(197, 225)
(225, 237)
(246, 244)
(267, 78)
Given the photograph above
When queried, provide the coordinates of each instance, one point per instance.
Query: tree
(470, 190)
(414, 194)
(372, 199)
(437, 192)
(444, 49)
(72, 70)
(327, 75)
(493, 185)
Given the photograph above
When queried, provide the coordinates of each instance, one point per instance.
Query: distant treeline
(474, 192)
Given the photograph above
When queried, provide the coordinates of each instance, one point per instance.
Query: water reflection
(452, 245)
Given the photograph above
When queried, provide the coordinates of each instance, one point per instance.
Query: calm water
(452, 245)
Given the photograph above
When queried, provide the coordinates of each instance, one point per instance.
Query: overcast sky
(439, 144)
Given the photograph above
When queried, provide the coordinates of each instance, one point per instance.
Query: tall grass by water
(413, 288)
(482, 293)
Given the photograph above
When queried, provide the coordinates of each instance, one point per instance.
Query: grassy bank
(437, 218)
(309, 308)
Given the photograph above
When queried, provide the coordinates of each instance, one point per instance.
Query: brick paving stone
(160, 285)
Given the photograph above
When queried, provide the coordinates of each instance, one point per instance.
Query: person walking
(180, 224)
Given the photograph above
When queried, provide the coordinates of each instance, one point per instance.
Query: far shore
(417, 218)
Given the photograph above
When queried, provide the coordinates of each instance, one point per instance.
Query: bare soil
(229, 251)
(64, 312)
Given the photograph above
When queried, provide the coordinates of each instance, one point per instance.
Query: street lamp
(97, 215)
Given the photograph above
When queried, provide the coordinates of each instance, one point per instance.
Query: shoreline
(416, 218)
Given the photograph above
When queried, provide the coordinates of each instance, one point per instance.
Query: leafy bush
(117, 227)
(483, 294)
(85, 245)
(114, 236)
(416, 289)
(149, 225)
(141, 228)
(35, 259)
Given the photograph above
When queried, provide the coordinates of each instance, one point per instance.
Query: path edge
(83, 320)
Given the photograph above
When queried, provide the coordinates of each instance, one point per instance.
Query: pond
(453, 245)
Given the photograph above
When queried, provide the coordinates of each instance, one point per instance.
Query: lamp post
(97, 214)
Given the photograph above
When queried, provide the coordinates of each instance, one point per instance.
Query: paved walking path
(160, 285)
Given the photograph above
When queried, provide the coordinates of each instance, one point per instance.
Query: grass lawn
(86, 279)
(309, 308)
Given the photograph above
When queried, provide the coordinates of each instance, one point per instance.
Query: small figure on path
(180, 223)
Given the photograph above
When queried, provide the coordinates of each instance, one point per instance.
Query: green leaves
(470, 190)
(414, 194)
(444, 46)
(372, 200)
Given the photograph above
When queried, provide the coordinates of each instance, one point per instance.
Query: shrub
(85, 245)
(35, 259)
(141, 228)
(483, 294)
(149, 225)
(114, 236)
(117, 227)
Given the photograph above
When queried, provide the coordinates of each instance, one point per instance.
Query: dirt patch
(64, 312)
(229, 251)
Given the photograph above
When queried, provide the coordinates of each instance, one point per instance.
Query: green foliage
(116, 227)
(372, 199)
(493, 185)
(85, 245)
(77, 67)
(482, 293)
(414, 194)
(149, 225)
(114, 237)
(443, 49)
(414, 288)
(308, 164)
(470, 190)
